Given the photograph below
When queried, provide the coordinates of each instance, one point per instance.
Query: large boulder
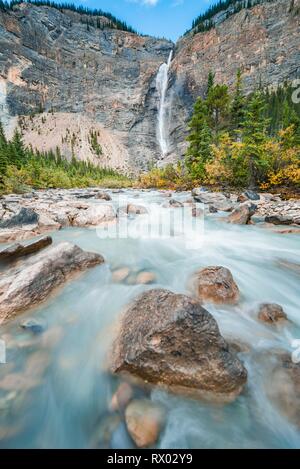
(33, 280)
(215, 284)
(241, 215)
(168, 339)
(144, 421)
(19, 250)
(94, 215)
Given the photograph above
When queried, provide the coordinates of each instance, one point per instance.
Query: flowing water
(55, 389)
(161, 87)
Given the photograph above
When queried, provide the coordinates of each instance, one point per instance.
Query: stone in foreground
(33, 281)
(144, 421)
(168, 339)
(215, 284)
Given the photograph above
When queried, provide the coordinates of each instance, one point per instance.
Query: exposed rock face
(271, 313)
(103, 81)
(216, 285)
(32, 281)
(170, 340)
(92, 79)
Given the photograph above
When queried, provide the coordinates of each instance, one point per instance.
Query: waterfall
(161, 87)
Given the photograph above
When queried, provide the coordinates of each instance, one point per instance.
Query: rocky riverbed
(178, 334)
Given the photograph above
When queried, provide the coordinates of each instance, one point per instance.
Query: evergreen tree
(3, 152)
(200, 139)
(237, 105)
(210, 81)
(254, 137)
(17, 150)
(218, 101)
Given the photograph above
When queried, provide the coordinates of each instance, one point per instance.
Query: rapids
(55, 389)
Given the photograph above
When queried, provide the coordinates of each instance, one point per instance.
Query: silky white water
(161, 87)
(55, 390)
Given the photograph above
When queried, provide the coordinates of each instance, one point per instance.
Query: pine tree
(200, 139)
(17, 150)
(237, 105)
(210, 81)
(218, 101)
(254, 137)
(3, 153)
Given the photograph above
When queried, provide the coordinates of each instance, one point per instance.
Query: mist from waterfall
(161, 87)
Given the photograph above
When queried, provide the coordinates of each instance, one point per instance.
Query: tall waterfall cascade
(161, 87)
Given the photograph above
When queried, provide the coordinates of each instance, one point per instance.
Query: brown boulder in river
(271, 313)
(168, 339)
(241, 215)
(215, 284)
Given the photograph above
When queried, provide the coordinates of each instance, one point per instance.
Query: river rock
(283, 387)
(170, 340)
(121, 397)
(121, 274)
(103, 195)
(271, 313)
(18, 250)
(34, 325)
(215, 284)
(145, 278)
(172, 203)
(252, 195)
(144, 421)
(33, 281)
(26, 216)
(132, 209)
(94, 215)
(241, 215)
(279, 220)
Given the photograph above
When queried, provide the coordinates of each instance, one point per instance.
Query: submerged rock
(172, 203)
(271, 313)
(144, 421)
(38, 276)
(121, 397)
(133, 209)
(34, 325)
(145, 278)
(215, 284)
(283, 387)
(171, 340)
(19, 250)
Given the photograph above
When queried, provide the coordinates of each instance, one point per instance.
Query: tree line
(113, 23)
(239, 141)
(23, 168)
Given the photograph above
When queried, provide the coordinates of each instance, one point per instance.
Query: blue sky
(162, 18)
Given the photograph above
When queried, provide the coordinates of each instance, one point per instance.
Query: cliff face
(70, 82)
(101, 81)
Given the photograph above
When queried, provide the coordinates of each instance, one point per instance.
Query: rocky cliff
(92, 91)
